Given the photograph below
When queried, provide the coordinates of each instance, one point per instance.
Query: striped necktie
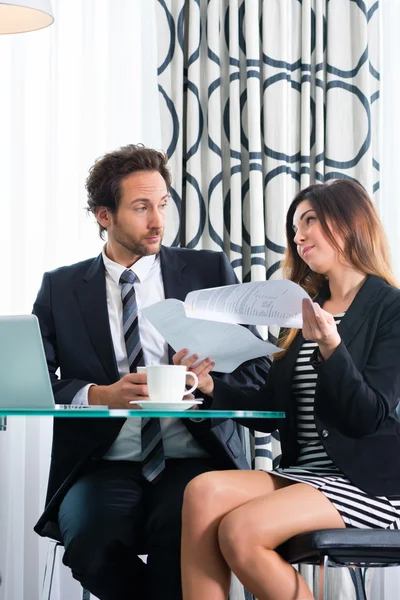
(153, 460)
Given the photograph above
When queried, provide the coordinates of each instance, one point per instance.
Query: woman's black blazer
(356, 396)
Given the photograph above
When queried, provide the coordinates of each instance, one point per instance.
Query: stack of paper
(207, 323)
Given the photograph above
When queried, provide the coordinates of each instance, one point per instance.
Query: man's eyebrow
(303, 215)
(165, 197)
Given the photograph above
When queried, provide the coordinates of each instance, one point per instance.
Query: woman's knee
(236, 542)
(204, 494)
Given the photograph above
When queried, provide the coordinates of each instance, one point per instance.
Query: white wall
(390, 111)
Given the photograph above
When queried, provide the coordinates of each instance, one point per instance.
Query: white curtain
(390, 185)
(84, 86)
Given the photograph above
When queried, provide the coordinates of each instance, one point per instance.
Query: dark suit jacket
(356, 395)
(72, 310)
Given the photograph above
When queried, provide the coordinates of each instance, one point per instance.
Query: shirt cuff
(81, 398)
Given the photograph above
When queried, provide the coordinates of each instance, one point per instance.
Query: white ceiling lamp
(20, 16)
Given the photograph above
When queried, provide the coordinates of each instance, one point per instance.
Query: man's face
(138, 225)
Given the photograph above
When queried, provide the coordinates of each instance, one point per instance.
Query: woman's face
(312, 244)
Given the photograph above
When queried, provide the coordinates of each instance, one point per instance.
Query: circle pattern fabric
(258, 99)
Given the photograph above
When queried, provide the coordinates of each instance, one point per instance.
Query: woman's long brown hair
(343, 208)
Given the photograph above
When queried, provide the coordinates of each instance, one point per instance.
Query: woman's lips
(307, 249)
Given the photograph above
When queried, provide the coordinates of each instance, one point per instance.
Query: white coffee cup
(166, 383)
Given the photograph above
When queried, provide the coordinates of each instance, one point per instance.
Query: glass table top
(104, 412)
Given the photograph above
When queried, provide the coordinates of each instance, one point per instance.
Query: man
(104, 497)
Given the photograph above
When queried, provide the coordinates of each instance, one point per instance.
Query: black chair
(358, 548)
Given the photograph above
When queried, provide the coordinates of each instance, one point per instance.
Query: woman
(338, 380)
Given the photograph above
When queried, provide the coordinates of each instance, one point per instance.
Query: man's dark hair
(103, 184)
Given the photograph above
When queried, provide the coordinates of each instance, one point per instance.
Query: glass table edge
(188, 414)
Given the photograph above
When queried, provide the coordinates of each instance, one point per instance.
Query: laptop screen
(24, 377)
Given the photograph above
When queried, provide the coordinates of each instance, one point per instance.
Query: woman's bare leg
(208, 498)
(249, 535)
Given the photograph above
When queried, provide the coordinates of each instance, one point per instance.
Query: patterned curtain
(259, 99)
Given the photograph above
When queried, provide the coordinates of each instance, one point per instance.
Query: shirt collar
(141, 267)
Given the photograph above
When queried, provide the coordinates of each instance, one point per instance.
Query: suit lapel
(91, 294)
(172, 270)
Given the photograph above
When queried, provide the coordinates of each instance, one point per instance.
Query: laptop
(24, 377)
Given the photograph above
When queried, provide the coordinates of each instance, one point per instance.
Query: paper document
(255, 303)
(229, 345)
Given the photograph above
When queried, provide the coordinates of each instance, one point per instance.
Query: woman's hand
(201, 369)
(320, 328)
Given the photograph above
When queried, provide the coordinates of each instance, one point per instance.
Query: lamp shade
(20, 16)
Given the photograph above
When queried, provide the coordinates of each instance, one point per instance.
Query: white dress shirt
(149, 289)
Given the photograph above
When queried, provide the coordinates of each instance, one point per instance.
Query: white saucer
(167, 405)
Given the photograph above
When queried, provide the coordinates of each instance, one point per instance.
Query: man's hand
(122, 393)
(320, 328)
(201, 369)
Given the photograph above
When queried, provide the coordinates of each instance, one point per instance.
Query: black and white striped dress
(314, 467)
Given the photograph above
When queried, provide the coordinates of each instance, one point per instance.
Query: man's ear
(103, 216)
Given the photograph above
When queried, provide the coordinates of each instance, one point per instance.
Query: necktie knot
(128, 276)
